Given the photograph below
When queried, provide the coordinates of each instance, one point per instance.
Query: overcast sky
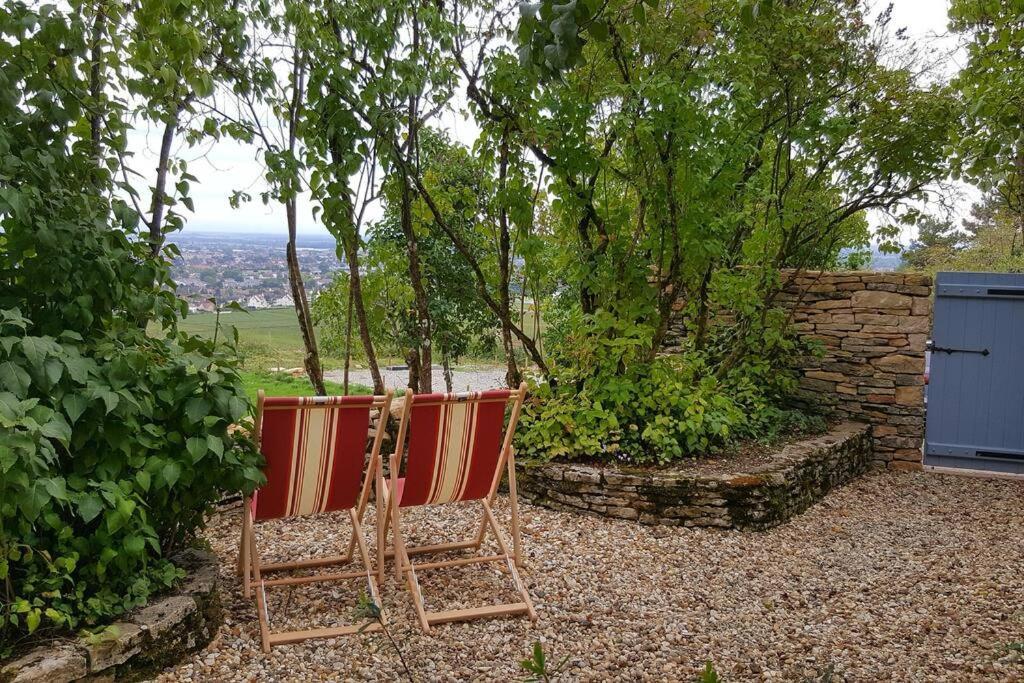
(228, 166)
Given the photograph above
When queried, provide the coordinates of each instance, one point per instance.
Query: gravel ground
(896, 577)
(463, 379)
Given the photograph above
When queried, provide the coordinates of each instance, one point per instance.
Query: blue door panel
(976, 382)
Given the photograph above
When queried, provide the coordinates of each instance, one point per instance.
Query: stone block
(872, 299)
(115, 645)
(165, 614)
(910, 396)
(832, 304)
(877, 319)
(46, 664)
(827, 376)
(915, 324)
(900, 363)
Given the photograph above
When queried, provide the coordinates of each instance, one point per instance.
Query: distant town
(249, 268)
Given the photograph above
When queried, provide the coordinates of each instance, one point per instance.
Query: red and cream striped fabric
(454, 444)
(315, 449)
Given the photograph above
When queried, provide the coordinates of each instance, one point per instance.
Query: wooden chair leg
(382, 531)
(400, 557)
(357, 531)
(517, 542)
(417, 597)
(240, 563)
(245, 552)
(261, 597)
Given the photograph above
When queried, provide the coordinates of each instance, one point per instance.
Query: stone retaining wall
(872, 328)
(142, 643)
(800, 474)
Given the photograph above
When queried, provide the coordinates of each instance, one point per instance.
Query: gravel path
(896, 577)
(463, 379)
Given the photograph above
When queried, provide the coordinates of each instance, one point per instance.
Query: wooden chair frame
(252, 569)
(510, 559)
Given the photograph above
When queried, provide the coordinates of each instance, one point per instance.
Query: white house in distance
(257, 301)
(285, 300)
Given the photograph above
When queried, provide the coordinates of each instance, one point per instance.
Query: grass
(270, 338)
(280, 384)
(273, 327)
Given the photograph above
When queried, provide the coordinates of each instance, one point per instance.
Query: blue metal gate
(976, 380)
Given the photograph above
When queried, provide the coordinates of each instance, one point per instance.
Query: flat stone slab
(795, 478)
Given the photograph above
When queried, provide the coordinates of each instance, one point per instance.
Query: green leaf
(89, 506)
(14, 378)
(56, 488)
(237, 407)
(74, 406)
(57, 428)
(196, 447)
(196, 409)
(216, 445)
(171, 472)
(142, 478)
(36, 349)
(32, 620)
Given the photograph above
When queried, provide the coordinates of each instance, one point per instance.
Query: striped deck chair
(315, 448)
(457, 448)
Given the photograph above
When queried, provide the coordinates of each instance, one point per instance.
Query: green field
(269, 338)
(280, 384)
(273, 327)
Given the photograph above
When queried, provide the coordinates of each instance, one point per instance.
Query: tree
(990, 150)
(989, 241)
(174, 55)
(456, 312)
(937, 241)
(272, 111)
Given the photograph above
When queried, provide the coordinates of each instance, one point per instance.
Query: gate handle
(944, 349)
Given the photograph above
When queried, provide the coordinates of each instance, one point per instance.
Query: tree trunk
(158, 205)
(348, 340)
(512, 375)
(351, 246)
(412, 360)
(311, 360)
(702, 309)
(422, 329)
(446, 360)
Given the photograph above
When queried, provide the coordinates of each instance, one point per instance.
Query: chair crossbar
(332, 632)
(460, 561)
(477, 612)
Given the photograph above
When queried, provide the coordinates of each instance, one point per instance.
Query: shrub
(113, 444)
(610, 401)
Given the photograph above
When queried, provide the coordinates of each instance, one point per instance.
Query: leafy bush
(113, 444)
(610, 401)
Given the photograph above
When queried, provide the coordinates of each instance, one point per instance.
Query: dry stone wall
(761, 498)
(871, 328)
